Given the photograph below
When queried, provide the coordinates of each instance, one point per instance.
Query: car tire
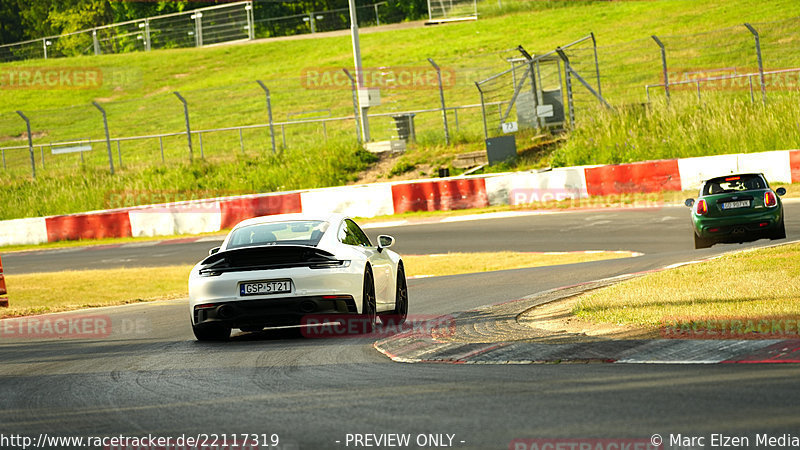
(780, 232)
(701, 242)
(211, 332)
(398, 315)
(368, 302)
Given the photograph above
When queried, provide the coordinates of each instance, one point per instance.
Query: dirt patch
(557, 317)
(380, 170)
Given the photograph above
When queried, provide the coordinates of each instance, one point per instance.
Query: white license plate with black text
(734, 205)
(265, 287)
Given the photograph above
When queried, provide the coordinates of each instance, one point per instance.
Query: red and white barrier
(440, 195)
(185, 218)
(528, 187)
(367, 200)
(3, 298)
(23, 231)
(371, 200)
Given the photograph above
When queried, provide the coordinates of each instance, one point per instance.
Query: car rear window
(733, 183)
(300, 232)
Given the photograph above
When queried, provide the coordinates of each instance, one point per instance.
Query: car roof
(325, 217)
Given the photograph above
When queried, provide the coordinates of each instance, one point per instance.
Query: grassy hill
(219, 84)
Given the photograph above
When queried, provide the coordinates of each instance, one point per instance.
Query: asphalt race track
(149, 375)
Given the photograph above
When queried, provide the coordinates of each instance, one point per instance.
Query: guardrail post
(269, 114)
(188, 129)
(441, 98)
(355, 103)
(108, 138)
(30, 143)
(760, 62)
(663, 65)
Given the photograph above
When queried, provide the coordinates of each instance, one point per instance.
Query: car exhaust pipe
(226, 312)
(308, 306)
(738, 230)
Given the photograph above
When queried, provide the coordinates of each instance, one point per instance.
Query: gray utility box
(404, 124)
(501, 149)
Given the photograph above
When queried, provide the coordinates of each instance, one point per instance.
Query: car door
(381, 263)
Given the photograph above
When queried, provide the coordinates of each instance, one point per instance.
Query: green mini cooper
(736, 208)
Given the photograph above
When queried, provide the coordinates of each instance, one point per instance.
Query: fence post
(198, 28)
(108, 138)
(160, 144)
(568, 82)
(355, 103)
(95, 42)
(596, 64)
(44, 45)
(249, 11)
(663, 65)
(760, 62)
(147, 35)
(483, 112)
(441, 97)
(534, 93)
(269, 114)
(119, 152)
(30, 143)
(186, 115)
(377, 18)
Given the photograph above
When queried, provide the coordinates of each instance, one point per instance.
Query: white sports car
(275, 270)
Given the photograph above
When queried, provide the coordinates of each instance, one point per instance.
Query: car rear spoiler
(268, 257)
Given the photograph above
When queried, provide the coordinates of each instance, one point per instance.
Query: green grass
(92, 189)
(218, 83)
(754, 285)
(34, 293)
(686, 128)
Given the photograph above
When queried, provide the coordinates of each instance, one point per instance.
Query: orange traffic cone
(3, 298)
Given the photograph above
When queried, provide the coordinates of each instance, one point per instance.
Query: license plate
(265, 287)
(734, 205)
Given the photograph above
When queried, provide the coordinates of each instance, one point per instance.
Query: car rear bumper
(739, 228)
(277, 311)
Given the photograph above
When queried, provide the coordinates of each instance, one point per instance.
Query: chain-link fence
(751, 61)
(227, 22)
(447, 10)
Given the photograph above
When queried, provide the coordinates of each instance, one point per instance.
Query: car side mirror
(385, 241)
(780, 191)
(689, 202)
(213, 250)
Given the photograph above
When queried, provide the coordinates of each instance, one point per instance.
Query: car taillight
(702, 208)
(770, 199)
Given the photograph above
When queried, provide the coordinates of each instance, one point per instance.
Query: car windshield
(301, 232)
(733, 183)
